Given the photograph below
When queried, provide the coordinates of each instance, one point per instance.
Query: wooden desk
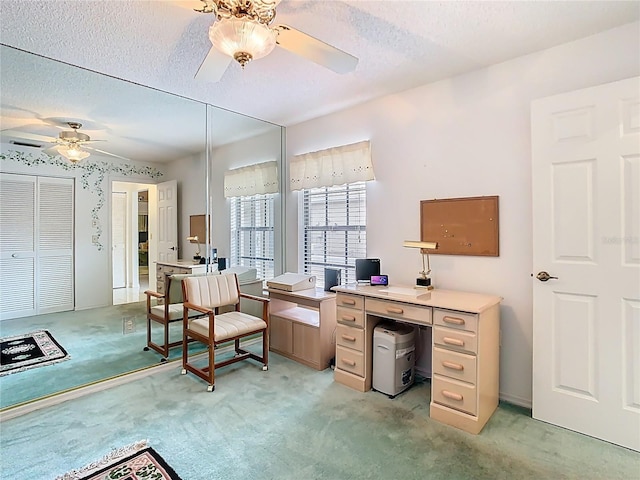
(302, 325)
(465, 345)
(179, 266)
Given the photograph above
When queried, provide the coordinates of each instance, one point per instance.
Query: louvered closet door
(55, 285)
(36, 245)
(17, 245)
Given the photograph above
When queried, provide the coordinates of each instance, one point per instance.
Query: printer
(292, 282)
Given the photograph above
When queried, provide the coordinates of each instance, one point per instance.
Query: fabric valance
(257, 179)
(334, 166)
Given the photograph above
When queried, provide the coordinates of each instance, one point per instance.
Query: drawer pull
(452, 395)
(348, 318)
(349, 301)
(348, 338)
(397, 311)
(453, 366)
(453, 320)
(453, 341)
(351, 363)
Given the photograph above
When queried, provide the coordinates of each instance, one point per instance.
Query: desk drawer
(454, 394)
(454, 364)
(399, 311)
(351, 317)
(350, 360)
(350, 337)
(350, 301)
(456, 339)
(454, 319)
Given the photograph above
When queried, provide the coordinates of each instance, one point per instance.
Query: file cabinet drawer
(350, 360)
(350, 301)
(350, 337)
(351, 317)
(460, 366)
(399, 311)
(453, 319)
(456, 339)
(455, 394)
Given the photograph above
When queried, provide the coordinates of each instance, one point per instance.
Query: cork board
(197, 226)
(461, 226)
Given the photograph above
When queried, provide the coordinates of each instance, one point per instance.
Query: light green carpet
(293, 422)
(94, 340)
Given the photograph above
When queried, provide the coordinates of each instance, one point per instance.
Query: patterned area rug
(133, 462)
(22, 352)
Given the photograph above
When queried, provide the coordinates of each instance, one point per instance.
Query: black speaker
(331, 278)
(222, 263)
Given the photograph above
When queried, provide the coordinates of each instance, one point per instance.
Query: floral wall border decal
(91, 178)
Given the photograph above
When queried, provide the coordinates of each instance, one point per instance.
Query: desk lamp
(195, 239)
(423, 281)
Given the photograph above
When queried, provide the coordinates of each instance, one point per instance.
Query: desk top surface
(450, 299)
(310, 293)
(181, 263)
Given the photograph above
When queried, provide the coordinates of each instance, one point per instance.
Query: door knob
(172, 248)
(544, 276)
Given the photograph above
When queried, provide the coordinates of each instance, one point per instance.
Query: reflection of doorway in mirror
(138, 240)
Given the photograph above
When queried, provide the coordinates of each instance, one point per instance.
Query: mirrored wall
(140, 137)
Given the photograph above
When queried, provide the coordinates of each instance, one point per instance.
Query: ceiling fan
(243, 31)
(71, 144)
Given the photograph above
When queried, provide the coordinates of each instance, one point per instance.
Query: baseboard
(71, 394)
(515, 400)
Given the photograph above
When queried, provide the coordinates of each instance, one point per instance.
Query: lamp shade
(73, 152)
(242, 38)
(413, 244)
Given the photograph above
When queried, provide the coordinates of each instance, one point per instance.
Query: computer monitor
(366, 268)
(143, 237)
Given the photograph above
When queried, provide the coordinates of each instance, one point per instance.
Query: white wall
(190, 173)
(93, 286)
(466, 136)
(261, 148)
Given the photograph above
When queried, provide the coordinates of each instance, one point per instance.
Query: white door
(36, 245)
(55, 243)
(168, 221)
(119, 238)
(586, 232)
(17, 245)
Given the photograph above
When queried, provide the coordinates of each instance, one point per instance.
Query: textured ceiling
(399, 44)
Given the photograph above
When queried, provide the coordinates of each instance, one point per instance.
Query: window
(334, 229)
(252, 238)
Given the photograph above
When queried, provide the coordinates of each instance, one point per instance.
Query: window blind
(334, 229)
(333, 166)
(252, 233)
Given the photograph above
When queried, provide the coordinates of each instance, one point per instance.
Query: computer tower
(332, 278)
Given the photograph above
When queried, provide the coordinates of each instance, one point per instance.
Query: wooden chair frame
(164, 320)
(207, 373)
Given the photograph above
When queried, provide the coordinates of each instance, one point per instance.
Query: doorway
(132, 223)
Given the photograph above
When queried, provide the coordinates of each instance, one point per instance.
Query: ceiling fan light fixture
(73, 152)
(243, 39)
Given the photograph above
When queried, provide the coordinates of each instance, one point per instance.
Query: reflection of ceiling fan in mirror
(71, 144)
(242, 31)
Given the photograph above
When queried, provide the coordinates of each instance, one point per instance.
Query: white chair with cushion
(205, 295)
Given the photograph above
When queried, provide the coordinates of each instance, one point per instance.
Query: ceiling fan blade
(28, 136)
(213, 66)
(107, 153)
(52, 150)
(315, 50)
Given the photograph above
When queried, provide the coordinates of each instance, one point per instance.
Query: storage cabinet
(169, 268)
(302, 326)
(465, 346)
